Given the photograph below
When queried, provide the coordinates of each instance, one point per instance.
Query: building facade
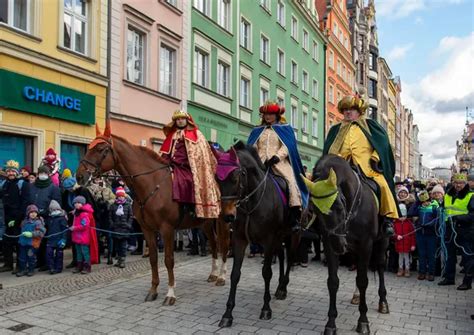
(52, 78)
(416, 157)
(398, 128)
(149, 75)
(243, 54)
(383, 77)
(465, 150)
(340, 69)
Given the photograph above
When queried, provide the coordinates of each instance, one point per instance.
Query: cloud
(419, 20)
(439, 99)
(398, 8)
(399, 52)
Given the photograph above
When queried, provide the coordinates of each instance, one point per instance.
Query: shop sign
(36, 96)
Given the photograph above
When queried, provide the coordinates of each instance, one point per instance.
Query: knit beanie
(79, 199)
(403, 210)
(26, 168)
(51, 152)
(401, 189)
(120, 192)
(54, 206)
(44, 169)
(69, 183)
(438, 189)
(66, 174)
(31, 208)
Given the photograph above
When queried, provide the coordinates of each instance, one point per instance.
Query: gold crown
(180, 114)
(12, 164)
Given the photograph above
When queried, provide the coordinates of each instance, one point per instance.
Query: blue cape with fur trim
(287, 136)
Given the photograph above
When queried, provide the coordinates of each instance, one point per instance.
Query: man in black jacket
(16, 197)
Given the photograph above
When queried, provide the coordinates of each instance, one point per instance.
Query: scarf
(42, 183)
(341, 135)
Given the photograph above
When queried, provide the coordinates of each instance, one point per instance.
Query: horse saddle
(282, 188)
(374, 187)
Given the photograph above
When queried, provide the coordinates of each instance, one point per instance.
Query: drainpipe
(109, 57)
(324, 92)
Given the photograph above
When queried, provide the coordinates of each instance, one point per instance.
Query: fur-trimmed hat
(272, 107)
(357, 101)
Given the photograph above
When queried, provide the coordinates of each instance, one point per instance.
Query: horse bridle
(348, 214)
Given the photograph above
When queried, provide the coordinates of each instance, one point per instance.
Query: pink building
(148, 75)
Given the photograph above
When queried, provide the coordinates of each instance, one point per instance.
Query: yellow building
(392, 112)
(52, 78)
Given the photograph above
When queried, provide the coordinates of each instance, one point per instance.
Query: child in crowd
(81, 234)
(405, 241)
(120, 219)
(32, 231)
(426, 212)
(52, 161)
(57, 226)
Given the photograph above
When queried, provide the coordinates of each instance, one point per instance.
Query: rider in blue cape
(276, 145)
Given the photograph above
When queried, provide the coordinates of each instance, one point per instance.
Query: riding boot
(295, 219)
(387, 227)
(466, 284)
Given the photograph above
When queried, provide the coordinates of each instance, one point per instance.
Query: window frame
(206, 65)
(224, 90)
(243, 22)
(305, 81)
(281, 8)
(294, 73)
(316, 51)
(294, 28)
(264, 95)
(315, 89)
(331, 94)
(294, 109)
(206, 4)
(223, 4)
(281, 66)
(264, 52)
(10, 16)
(174, 55)
(74, 16)
(304, 122)
(305, 40)
(144, 36)
(314, 124)
(247, 103)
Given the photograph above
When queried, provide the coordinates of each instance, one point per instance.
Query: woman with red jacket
(405, 241)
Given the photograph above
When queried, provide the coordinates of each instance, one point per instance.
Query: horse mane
(152, 154)
(250, 149)
(321, 170)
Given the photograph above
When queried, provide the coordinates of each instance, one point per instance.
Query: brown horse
(149, 178)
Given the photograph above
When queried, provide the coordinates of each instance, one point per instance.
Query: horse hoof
(363, 328)
(330, 331)
(280, 294)
(211, 278)
(169, 301)
(383, 308)
(151, 296)
(225, 322)
(220, 282)
(355, 300)
(266, 315)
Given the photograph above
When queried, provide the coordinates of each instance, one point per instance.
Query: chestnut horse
(149, 178)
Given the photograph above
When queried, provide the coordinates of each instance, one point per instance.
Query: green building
(244, 52)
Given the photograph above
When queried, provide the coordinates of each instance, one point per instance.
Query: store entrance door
(71, 155)
(19, 148)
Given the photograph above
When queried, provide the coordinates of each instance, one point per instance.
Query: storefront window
(71, 155)
(19, 148)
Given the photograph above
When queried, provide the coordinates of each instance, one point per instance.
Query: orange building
(340, 70)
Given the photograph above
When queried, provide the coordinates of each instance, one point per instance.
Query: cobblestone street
(111, 301)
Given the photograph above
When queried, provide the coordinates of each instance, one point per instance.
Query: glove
(11, 223)
(375, 166)
(399, 237)
(272, 161)
(413, 248)
(28, 234)
(61, 244)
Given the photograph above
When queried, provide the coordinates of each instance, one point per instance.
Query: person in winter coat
(56, 241)
(405, 241)
(426, 212)
(52, 161)
(32, 231)
(25, 173)
(81, 234)
(404, 197)
(121, 217)
(16, 197)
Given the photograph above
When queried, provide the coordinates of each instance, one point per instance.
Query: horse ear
(97, 130)
(107, 131)
(215, 152)
(233, 155)
(309, 183)
(332, 178)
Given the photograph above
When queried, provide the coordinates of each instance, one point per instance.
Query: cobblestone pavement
(416, 307)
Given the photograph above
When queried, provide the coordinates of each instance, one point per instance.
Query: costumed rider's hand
(399, 237)
(27, 234)
(272, 161)
(413, 248)
(71, 228)
(375, 166)
(61, 244)
(11, 223)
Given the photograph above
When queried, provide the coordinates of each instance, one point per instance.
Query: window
(75, 25)
(305, 40)
(167, 70)
(265, 4)
(294, 28)
(316, 51)
(305, 83)
(281, 102)
(263, 95)
(372, 88)
(341, 36)
(315, 91)
(338, 96)
(201, 67)
(203, 6)
(371, 61)
(304, 126)
(334, 28)
(346, 43)
(281, 13)
(223, 79)
(338, 70)
(331, 94)
(16, 13)
(173, 2)
(245, 36)
(344, 73)
(281, 62)
(314, 125)
(245, 92)
(224, 14)
(135, 55)
(331, 59)
(294, 73)
(264, 49)
(294, 117)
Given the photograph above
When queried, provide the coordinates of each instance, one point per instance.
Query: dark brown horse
(149, 177)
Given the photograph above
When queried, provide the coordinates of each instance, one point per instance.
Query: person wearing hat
(470, 181)
(194, 166)
(43, 191)
(405, 241)
(437, 193)
(25, 173)
(16, 197)
(56, 242)
(32, 232)
(120, 221)
(52, 161)
(276, 145)
(364, 143)
(459, 209)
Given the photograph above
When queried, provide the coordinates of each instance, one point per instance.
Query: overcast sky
(430, 45)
